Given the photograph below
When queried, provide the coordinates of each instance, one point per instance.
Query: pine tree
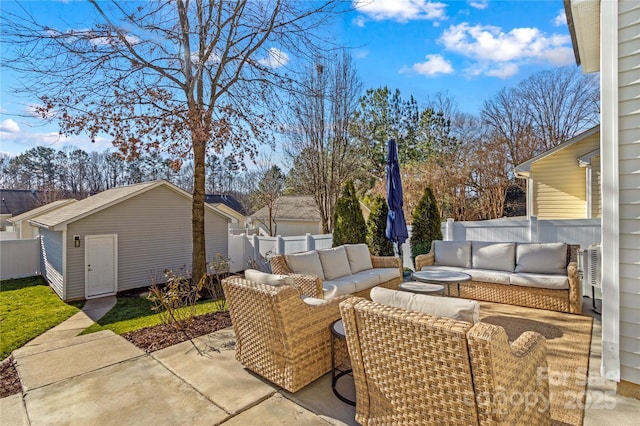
(349, 226)
(376, 227)
(425, 224)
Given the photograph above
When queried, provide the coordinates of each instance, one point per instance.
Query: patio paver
(12, 411)
(276, 411)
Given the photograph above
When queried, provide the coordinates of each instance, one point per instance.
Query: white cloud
(16, 143)
(561, 19)
(359, 21)
(498, 53)
(9, 126)
(479, 4)
(434, 65)
(402, 10)
(277, 58)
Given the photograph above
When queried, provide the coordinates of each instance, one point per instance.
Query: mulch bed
(148, 339)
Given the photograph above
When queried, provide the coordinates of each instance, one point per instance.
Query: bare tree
(319, 142)
(267, 193)
(186, 77)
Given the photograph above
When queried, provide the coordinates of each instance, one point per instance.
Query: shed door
(101, 260)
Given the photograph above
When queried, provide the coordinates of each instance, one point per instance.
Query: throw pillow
(265, 278)
(542, 258)
(453, 253)
(334, 263)
(305, 263)
(458, 309)
(493, 256)
(359, 258)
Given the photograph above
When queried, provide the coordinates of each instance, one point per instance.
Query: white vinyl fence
(571, 231)
(19, 258)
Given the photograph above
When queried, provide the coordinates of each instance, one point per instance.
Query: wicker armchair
(278, 336)
(414, 368)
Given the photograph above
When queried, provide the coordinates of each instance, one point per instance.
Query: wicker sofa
(534, 275)
(415, 368)
(278, 335)
(347, 269)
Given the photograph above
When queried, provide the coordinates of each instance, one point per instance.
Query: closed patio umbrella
(396, 231)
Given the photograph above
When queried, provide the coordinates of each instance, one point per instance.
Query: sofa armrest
(426, 259)
(502, 371)
(575, 288)
(385, 262)
(279, 265)
(308, 285)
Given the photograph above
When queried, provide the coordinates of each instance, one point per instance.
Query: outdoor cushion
(495, 256)
(489, 276)
(265, 278)
(343, 285)
(443, 268)
(358, 256)
(329, 291)
(387, 274)
(305, 263)
(554, 282)
(313, 301)
(453, 253)
(334, 262)
(366, 279)
(458, 309)
(541, 258)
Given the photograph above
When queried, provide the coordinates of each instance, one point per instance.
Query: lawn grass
(134, 313)
(28, 308)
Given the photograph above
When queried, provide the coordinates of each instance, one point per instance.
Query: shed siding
(559, 184)
(629, 182)
(53, 270)
(596, 193)
(154, 233)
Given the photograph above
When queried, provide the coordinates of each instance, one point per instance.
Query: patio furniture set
(414, 357)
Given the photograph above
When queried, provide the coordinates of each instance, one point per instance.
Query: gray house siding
(154, 233)
(629, 181)
(53, 271)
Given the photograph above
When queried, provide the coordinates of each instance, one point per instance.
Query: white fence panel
(19, 258)
(8, 235)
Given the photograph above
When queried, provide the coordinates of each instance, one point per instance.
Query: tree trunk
(198, 256)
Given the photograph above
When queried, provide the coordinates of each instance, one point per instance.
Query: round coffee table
(421, 288)
(443, 278)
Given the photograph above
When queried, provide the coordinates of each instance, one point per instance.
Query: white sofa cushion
(387, 274)
(313, 301)
(549, 281)
(541, 258)
(358, 256)
(342, 286)
(334, 262)
(494, 256)
(365, 279)
(459, 309)
(305, 263)
(453, 253)
(489, 276)
(270, 279)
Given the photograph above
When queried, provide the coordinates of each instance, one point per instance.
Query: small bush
(426, 224)
(349, 226)
(376, 228)
(175, 302)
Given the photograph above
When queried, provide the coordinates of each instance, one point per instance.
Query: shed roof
(227, 200)
(18, 201)
(42, 210)
(58, 219)
(523, 169)
(292, 208)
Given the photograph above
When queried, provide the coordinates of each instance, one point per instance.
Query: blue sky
(468, 49)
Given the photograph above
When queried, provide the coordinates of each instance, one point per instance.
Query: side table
(337, 332)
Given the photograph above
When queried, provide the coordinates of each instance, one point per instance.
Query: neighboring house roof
(18, 201)
(523, 170)
(227, 200)
(58, 219)
(41, 210)
(301, 208)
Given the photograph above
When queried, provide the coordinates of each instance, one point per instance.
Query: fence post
(449, 230)
(309, 242)
(533, 229)
(280, 244)
(256, 248)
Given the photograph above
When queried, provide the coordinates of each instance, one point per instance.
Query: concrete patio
(103, 379)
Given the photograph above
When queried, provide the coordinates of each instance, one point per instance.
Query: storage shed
(122, 239)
